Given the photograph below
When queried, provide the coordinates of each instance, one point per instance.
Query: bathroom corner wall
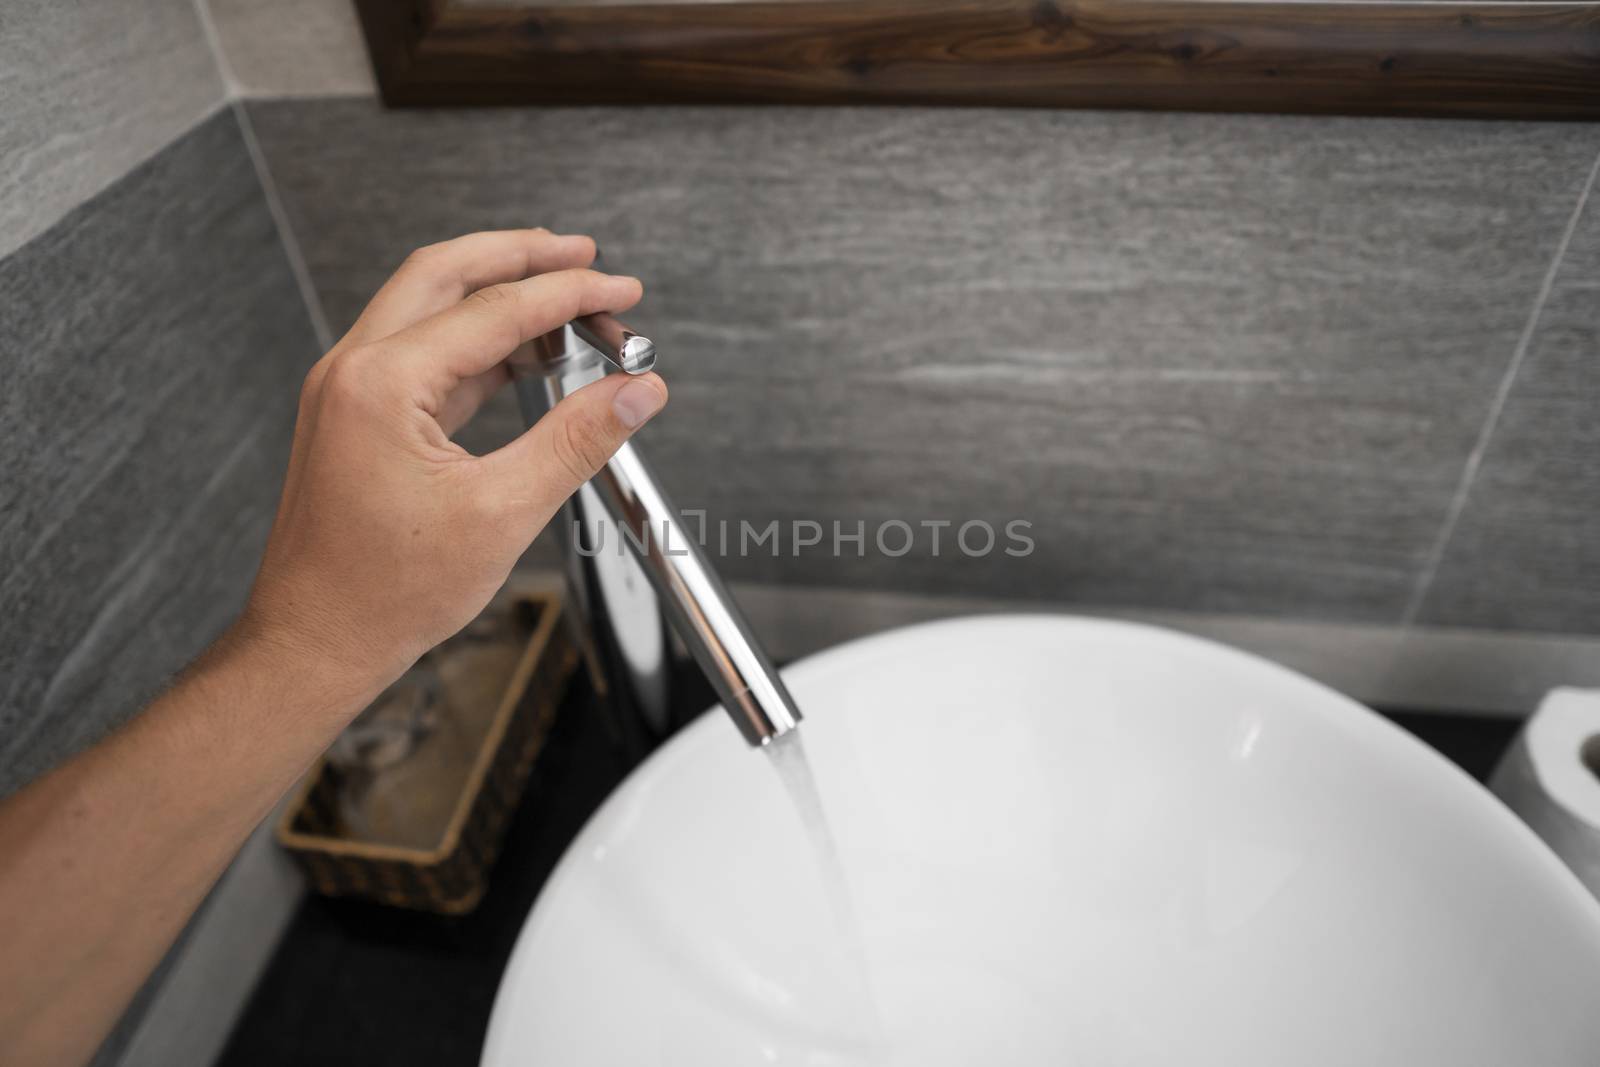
(152, 338)
(1308, 368)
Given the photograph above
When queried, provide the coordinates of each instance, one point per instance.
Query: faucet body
(686, 589)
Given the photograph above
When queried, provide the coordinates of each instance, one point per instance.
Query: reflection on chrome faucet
(690, 594)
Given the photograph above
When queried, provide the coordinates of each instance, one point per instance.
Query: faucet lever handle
(618, 344)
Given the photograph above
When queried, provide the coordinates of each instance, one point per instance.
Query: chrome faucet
(686, 589)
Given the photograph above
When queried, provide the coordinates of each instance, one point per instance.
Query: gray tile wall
(1220, 363)
(1224, 363)
(153, 340)
(1525, 554)
(151, 336)
(292, 47)
(88, 89)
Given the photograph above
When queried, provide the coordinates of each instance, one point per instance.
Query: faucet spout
(691, 595)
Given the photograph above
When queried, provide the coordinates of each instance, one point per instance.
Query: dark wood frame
(1520, 58)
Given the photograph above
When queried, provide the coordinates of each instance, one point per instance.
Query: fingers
(438, 276)
(538, 471)
(465, 400)
(479, 332)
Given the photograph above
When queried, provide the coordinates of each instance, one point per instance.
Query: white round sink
(1065, 841)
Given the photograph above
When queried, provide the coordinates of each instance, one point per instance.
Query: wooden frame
(1518, 58)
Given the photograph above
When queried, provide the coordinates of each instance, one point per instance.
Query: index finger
(437, 276)
(479, 332)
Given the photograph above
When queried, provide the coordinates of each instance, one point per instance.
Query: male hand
(390, 537)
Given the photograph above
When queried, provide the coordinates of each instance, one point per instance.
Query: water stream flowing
(788, 757)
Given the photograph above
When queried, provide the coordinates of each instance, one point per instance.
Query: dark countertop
(356, 983)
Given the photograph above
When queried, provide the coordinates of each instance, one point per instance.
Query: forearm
(103, 860)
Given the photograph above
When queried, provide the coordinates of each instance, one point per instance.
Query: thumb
(573, 440)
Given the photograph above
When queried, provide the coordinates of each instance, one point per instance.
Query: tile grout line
(8, 250)
(270, 96)
(1469, 472)
(286, 237)
(235, 99)
(208, 26)
(1382, 664)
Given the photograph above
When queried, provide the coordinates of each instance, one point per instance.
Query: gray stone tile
(1525, 554)
(88, 90)
(1227, 363)
(153, 342)
(293, 47)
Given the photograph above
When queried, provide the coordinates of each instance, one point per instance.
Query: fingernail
(635, 402)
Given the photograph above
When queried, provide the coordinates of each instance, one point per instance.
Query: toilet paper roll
(1551, 777)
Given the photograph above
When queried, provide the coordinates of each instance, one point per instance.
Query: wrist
(324, 679)
(252, 714)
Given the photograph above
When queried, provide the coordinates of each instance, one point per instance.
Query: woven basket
(451, 877)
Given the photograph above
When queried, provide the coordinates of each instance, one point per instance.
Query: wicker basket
(449, 878)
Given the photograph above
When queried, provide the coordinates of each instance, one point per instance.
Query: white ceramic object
(1066, 841)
